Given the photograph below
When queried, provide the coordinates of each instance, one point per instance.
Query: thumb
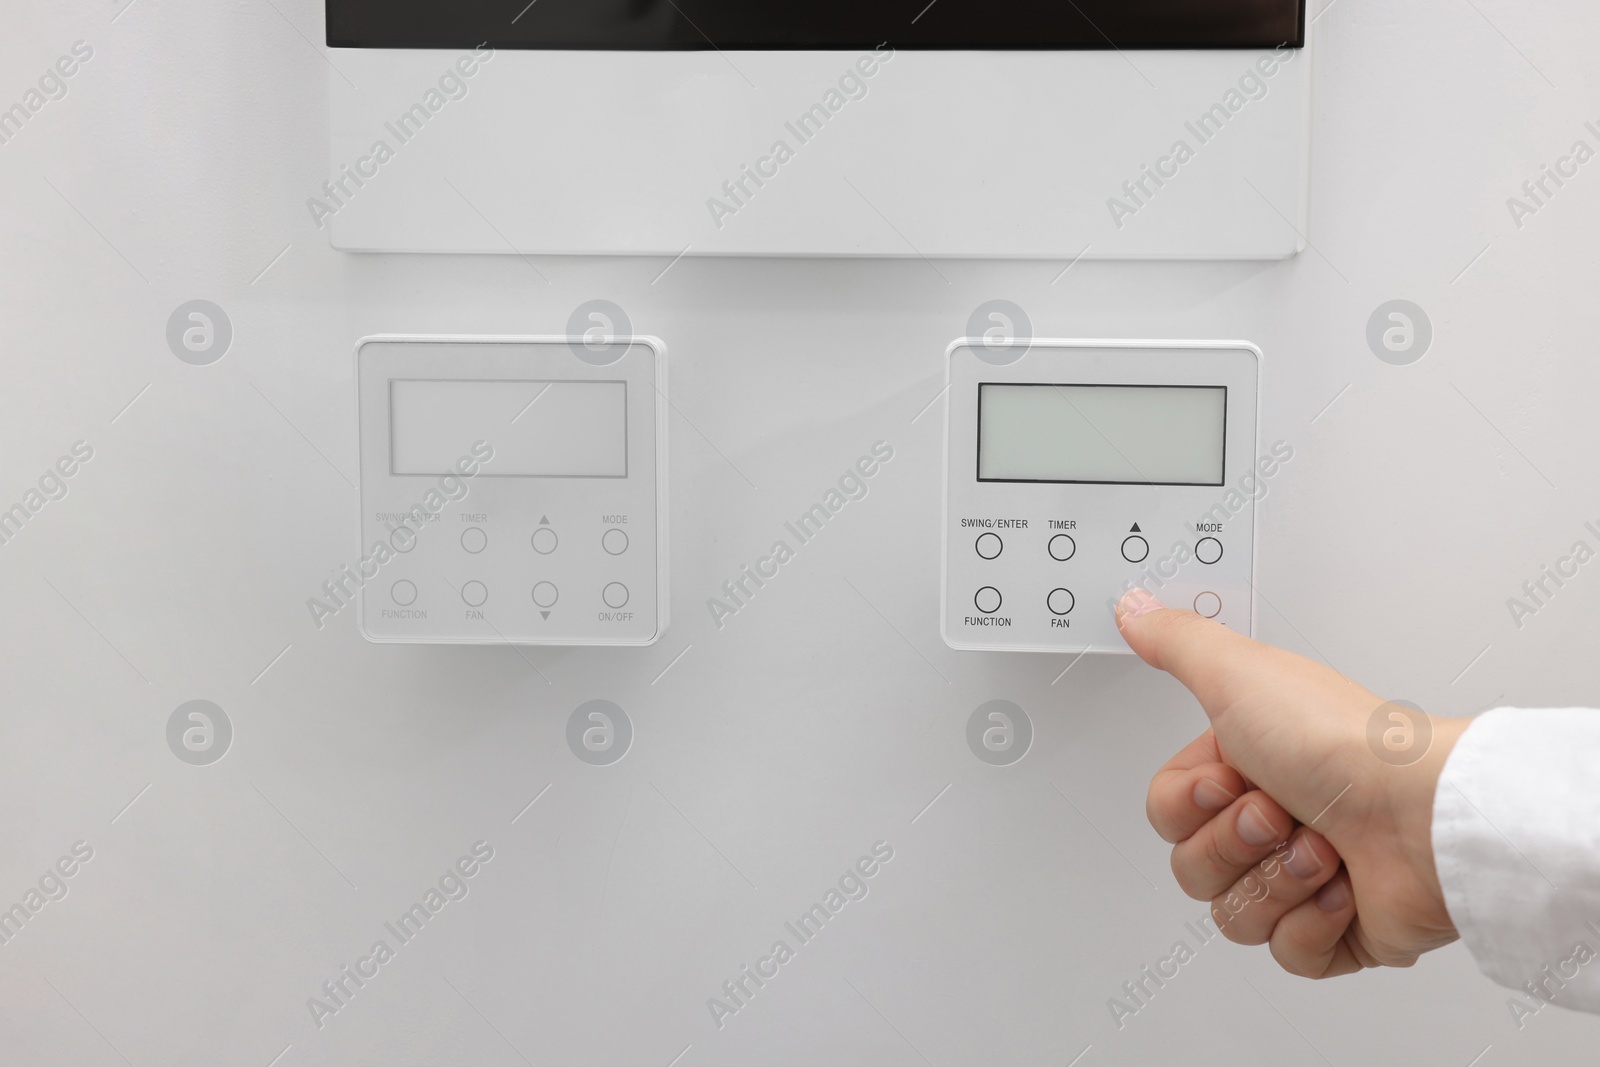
(1293, 727)
(1208, 658)
(1300, 732)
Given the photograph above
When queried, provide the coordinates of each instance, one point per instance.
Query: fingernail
(1302, 860)
(1134, 603)
(1210, 796)
(1254, 829)
(1335, 896)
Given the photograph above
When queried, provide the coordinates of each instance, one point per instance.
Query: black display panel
(816, 24)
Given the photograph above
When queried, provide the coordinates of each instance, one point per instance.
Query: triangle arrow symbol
(544, 520)
(544, 614)
(1135, 529)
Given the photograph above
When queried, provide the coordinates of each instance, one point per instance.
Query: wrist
(1412, 799)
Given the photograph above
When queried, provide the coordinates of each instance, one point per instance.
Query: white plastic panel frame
(477, 556)
(1083, 128)
(1037, 566)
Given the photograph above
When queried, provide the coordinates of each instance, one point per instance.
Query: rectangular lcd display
(538, 429)
(666, 25)
(1102, 434)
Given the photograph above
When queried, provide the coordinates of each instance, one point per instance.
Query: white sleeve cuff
(1516, 840)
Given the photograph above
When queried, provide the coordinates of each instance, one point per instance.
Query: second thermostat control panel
(1075, 470)
(512, 490)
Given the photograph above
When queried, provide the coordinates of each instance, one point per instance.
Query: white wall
(780, 748)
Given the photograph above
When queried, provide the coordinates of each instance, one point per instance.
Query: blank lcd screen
(537, 429)
(806, 24)
(1109, 434)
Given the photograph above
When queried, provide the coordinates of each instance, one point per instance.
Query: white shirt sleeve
(1516, 839)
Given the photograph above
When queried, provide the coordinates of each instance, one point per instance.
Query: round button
(614, 541)
(1060, 601)
(545, 540)
(1208, 605)
(403, 592)
(1135, 549)
(473, 539)
(545, 594)
(987, 600)
(1063, 547)
(1208, 550)
(474, 593)
(989, 545)
(615, 595)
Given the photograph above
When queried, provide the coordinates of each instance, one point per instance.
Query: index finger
(1190, 788)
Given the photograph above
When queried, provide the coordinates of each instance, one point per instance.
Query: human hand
(1280, 789)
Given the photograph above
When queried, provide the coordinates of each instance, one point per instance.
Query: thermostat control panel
(1075, 470)
(512, 490)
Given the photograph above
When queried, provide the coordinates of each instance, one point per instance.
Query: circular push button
(474, 593)
(545, 594)
(987, 600)
(403, 592)
(473, 539)
(545, 540)
(1060, 601)
(1135, 549)
(1063, 547)
(989, 545)
(1208, 605)
(1208, 550)
(614, 541)
(615, 595)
